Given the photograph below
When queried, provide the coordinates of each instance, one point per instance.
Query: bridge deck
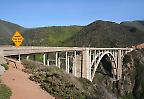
(8, 51)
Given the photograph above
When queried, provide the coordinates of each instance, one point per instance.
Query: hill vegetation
(58, 83)
(5, 92)
(50, 36)
(135, 24)
(6, 31)
(107, 34)
(97, 34)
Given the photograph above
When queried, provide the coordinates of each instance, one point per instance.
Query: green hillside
(43, 36)
(50, 36)
(97, 34)
(135, 24)
(6, 31)
(107, 34)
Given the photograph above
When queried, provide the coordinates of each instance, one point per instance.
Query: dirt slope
(21, 86)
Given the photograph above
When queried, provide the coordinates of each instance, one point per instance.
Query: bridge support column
(89, 71)
(59, 62)
(77, 65)
(86, 65)
(48, 62)
(56, 60)
(115, 64)
(119, 68)
(67, 64)
(44, 59)
(74, 64)
(19, 57)
(27, 57)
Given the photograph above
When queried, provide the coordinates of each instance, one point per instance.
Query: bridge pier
(86, 71)
(119, 69)
(77, 67)
(56, 58)
(44, 58)
(48, 62)
(67, 62)
(115, 69)
(59, 62)
(19, 57)
(27, 57)
(74, 69)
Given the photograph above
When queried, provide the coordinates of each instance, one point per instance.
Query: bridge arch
(97, 59)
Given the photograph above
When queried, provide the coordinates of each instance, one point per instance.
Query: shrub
(5, 66)
(128, 96)
(5, 92)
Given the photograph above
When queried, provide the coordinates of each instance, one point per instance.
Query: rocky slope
(133, 74)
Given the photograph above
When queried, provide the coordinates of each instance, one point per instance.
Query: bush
(56, 82)
(128, 96)
(60, 84)
(5, 92)
(5, 66)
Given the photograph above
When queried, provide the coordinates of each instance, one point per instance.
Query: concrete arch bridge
(80, 61)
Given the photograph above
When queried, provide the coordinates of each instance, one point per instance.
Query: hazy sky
(33, 13)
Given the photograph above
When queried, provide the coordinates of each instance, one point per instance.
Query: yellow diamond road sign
(17, 39)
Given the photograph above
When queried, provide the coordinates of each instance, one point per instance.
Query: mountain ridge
(96, 34)
(107, 34)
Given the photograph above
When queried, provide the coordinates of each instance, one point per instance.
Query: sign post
(17, 39)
